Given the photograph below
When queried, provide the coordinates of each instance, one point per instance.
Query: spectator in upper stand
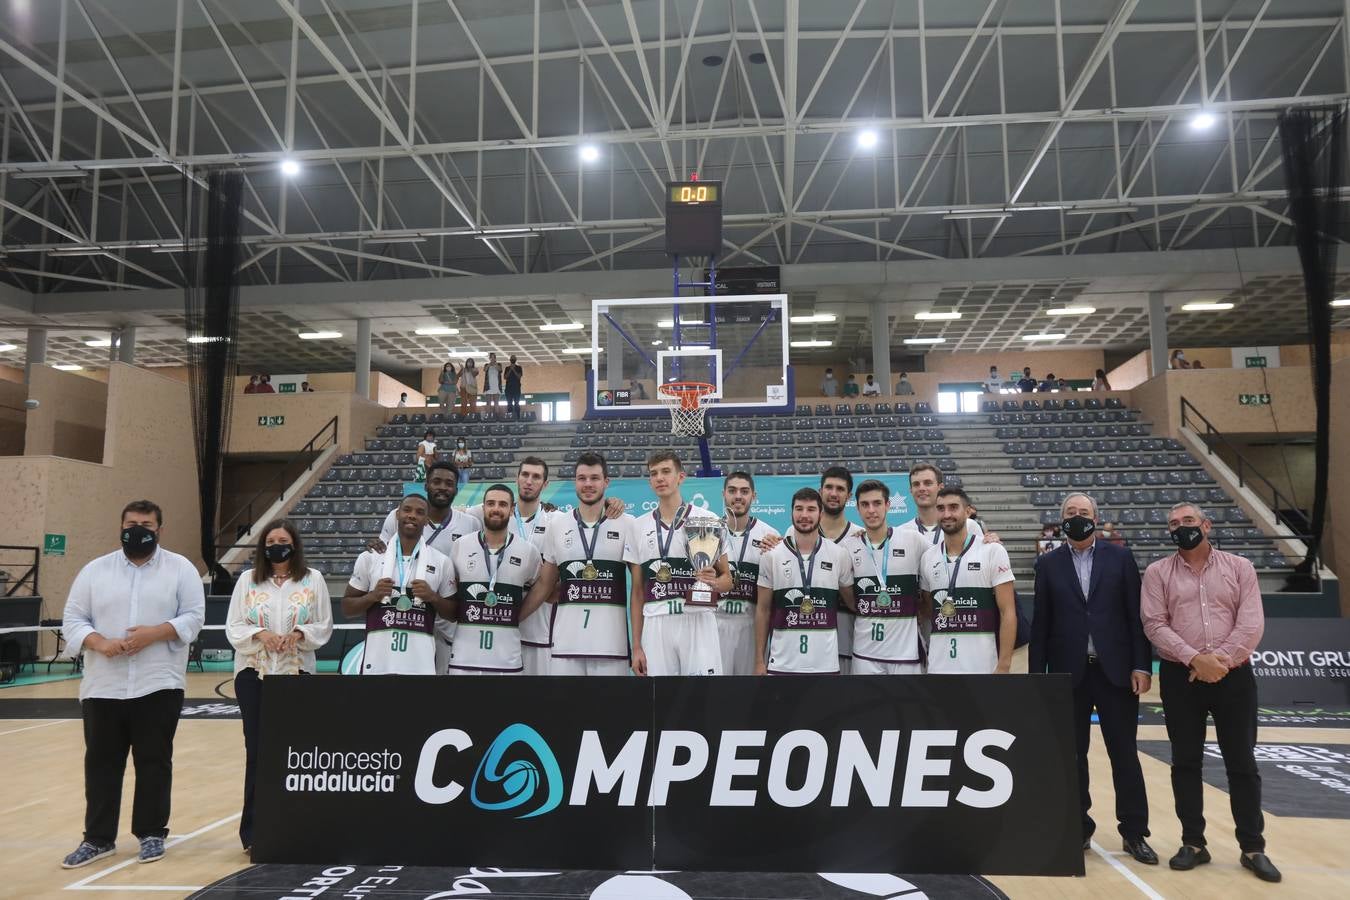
(1112, 532)
(902, 387)
(994, 384)
(446, 384)
(870, 388)
(1049, 540)
(402, 399)
(513, 375)
(1062, 384)
(252, 386)
(1178, 360)
(426, 455)
(1026, 384)
(265, 384)
(829, 387)
(851, 386)
(468, 387)
(305, 388)
(1048, 384)
(463, 460)
(492, 383)
(1099, 383)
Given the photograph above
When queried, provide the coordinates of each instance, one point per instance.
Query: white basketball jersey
(934, 535)
(803, 636)
(488, 637)
(667, 578)
(536, 630)
(592, 616)
(745, 550)
(887, 625)
(965, 613)
(401, 641)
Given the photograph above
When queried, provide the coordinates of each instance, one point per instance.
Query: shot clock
(694, 218)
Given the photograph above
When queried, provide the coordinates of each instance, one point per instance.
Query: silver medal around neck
(490, 598)
(883, 599)
(403, 603)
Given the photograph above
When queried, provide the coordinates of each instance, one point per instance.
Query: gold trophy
(703, 539)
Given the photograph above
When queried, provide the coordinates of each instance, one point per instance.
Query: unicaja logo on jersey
(519, 779)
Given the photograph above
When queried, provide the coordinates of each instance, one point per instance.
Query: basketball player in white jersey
(401, 593)
(966, 588)
(836, 486)
(802, 583)
(886, 583)
(495, 569)
(925, 480)
(584, 552)
(444, 526)
(673, 633)
(735, 613)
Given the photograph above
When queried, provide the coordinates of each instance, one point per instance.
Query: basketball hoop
(688, 402)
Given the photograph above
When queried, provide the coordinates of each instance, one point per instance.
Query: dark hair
(146, 507)
(1101, 374)
(262, 567)
(444, 464)
(533, 461)
(431, 431)
(499, 487)
(839, 472)
(954, 491)
(806, 494)
(873, 484)
(661, 456)
(420, 495)
(742, 475)
(921, 466)
(592, 459)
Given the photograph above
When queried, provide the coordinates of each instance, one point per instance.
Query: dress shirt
(255, 608)
(1082, 565)
(112, 594)
(1215, 609)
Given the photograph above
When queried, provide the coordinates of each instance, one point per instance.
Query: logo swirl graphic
(519, 779)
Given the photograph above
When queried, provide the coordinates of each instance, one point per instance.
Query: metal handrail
(31, 573)
(1278, 501)
(312, 447)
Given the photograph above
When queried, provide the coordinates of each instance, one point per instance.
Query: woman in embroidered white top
(279, 615)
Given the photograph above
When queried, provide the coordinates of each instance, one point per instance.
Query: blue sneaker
(152, 848)
(86, 853)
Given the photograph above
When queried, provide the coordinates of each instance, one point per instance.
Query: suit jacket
(1110, 613)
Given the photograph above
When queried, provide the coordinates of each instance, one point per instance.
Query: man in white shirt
(134, 613)
(870, 387)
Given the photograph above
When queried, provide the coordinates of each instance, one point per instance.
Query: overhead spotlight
(812, 318)
(931, 316)
(1071, 311)
(1344, 301)
(5, 348)
(1047, 336)
(290, 168)
(583, 350)
(431, 330)
(99, 342)
(67, 367)
(1203, 121)
(805, 344)
(319, 335)
(561, 326)
(589, 153)
(1207, 306)
(867, 139)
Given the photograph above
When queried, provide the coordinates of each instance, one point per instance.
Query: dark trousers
(145, 726)
(1118, 714)
(1232, 703)
(513, 402)
(248, 691)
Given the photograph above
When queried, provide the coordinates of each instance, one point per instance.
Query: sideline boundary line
(84, 883)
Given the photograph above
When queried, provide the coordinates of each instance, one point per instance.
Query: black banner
(915, 774)
(1303, 661)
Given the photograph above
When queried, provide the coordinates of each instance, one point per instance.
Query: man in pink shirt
(1202, 611)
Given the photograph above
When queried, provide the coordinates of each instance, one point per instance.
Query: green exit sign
(53, 545)
(1256, 362)
(1253, 399)
(271, 421)
(289, 387)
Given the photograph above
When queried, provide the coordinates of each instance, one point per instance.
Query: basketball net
(688, 403)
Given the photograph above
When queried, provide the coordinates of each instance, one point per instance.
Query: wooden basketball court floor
(41, 811)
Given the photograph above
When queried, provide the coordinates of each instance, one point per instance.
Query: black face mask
(1078, 528)
(278, 552)
(1187, 537)
(138, 541)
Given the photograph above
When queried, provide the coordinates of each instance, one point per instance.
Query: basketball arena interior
(429, 296)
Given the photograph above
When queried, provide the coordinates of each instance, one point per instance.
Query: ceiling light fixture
(1071, 311)
(813, 318)
(1203, 120)
(867, 139)
(207, 339)
(581, 350)
(670, 323)
(319, 335)
(290, 168)
(99, 342)
(5, 348)
(937, 316)
(933, 340)
(1206, 306)
(1099, 210)
(561, 326)
(433, 330)
(1045, 336)
(805, 344)
(977, 214)
(67, 367)
(589, 153)
(1344, 301)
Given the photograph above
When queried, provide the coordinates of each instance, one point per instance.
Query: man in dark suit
(1087, 624)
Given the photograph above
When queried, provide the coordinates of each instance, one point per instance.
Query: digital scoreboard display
(693, 218)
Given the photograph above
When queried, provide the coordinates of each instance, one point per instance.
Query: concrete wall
(13, 417)
(1289, 467)
(304, 415)
(11, 373)
(1336, 542)
(1214, 392)
(70, 419)
(146, 454)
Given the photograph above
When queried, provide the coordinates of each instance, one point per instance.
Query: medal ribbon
(581, 532)
(436, 532)
(954, 566)
(400, 573)
(676, 523)
(520, 524)
(806, 571)
(881, 565)
(493, 564)
(745, 542)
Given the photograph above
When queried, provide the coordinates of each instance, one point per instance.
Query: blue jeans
(463, 477)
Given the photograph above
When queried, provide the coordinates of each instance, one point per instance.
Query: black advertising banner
(939, 774)
(1303, 661)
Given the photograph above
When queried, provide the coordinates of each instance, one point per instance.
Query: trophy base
(701, 597)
